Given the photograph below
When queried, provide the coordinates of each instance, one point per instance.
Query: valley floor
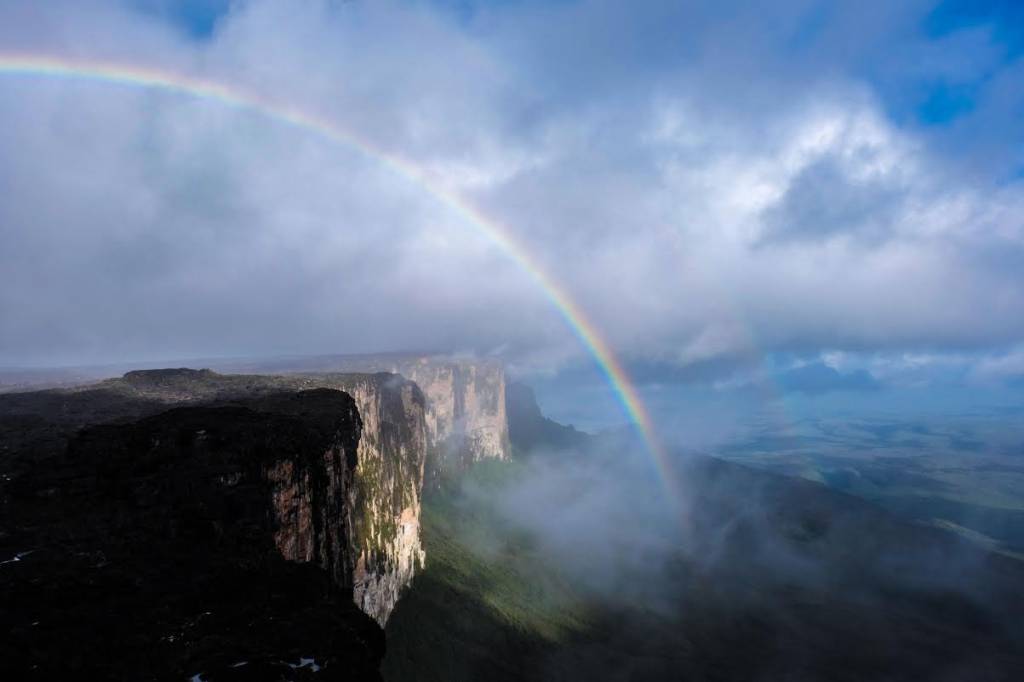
(496, 603)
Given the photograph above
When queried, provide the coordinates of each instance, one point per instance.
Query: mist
(704, 541)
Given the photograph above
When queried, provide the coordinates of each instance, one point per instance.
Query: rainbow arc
(283, 113)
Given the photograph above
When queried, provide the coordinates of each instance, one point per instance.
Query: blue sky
(920, 83)
(197, 18)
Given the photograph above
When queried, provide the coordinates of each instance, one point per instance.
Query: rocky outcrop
(388, 488)
(387, 481)
(214, 541)
(530, 431)
(466, 420)
(466, 404)
(466, 417)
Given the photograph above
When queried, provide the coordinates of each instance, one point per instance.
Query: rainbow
(229, 96)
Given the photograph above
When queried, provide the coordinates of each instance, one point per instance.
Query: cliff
(530, 431)
(384, 497)
(203, 541)
(466, 417)
(388, 487)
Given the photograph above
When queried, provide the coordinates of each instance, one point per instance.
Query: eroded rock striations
(466, 420)
(388, 487)
(214, 541)
(387, 481)
(466, 416)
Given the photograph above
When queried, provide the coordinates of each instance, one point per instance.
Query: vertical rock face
(204, 540)
(466, 418)
(410, 438)
(387, 490)
(312, 498)
(383, 500)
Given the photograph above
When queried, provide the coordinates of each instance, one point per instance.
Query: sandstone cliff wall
(466, 405)
(383, 499)
(388, 484)
(466, 418)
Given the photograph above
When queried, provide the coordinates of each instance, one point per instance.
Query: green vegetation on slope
(488, 605)
(491, 605)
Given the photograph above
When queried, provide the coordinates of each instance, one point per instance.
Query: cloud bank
(710, 184)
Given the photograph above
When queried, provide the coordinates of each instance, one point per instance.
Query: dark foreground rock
(387, 482)
(210, 541)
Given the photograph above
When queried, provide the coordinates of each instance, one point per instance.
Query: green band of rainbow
(618, 379)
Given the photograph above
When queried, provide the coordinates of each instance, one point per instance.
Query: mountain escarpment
(383, 499)
(206, 541)
(466, 418)
(388, 478)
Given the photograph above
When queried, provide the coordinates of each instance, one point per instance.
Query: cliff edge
(208, 542)
(387, 481)
(466, 417)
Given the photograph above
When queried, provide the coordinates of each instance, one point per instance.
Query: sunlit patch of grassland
(476, 553)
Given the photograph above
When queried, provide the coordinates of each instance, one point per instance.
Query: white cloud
(693, 214)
